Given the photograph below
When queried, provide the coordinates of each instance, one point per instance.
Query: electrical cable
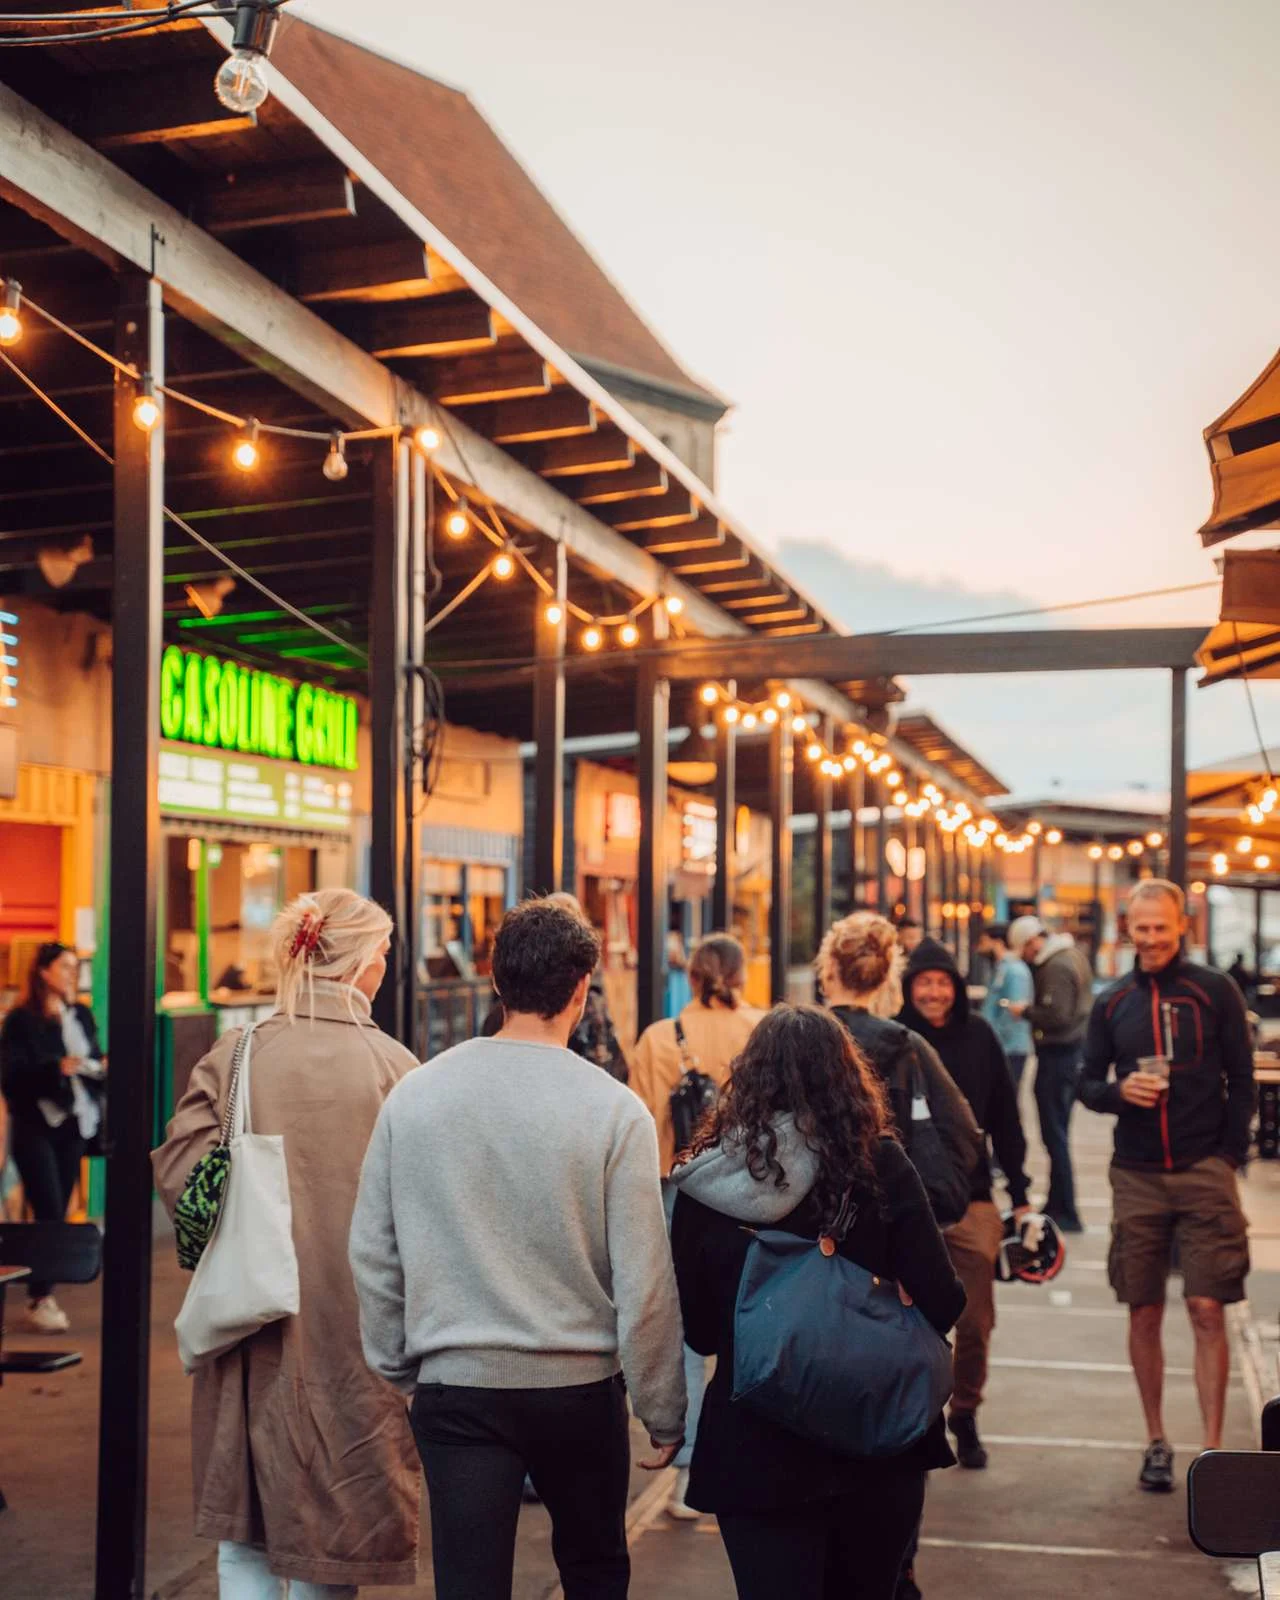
(1253, 710)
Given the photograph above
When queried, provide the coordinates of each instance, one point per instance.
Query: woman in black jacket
(801, 1123)
(51, 1072)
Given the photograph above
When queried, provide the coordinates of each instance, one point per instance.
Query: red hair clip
(307, 937)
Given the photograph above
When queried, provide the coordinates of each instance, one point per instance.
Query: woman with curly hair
(801, 1124)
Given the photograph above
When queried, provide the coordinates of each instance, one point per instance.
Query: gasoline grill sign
(207, 700)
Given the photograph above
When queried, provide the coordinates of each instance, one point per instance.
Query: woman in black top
(51, 1071)
(802, 1121)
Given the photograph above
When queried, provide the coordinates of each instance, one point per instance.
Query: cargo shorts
(1188, 1221)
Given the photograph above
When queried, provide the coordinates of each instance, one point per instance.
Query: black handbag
(692, 1097)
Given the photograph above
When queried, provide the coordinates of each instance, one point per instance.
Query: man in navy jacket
(1177, 1037)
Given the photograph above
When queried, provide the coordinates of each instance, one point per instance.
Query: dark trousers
(48, 1162)
(476, 1447)
(1017, 1066)
(850, 1548)
(1057, 1076)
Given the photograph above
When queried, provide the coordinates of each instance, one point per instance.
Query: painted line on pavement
(1007, 1547)
(1043, 1440)
(1109, 1313)
(1082, 1366)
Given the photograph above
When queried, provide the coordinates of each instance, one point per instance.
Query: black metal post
(1257, 931)
(726, 801)
(652, 704)
(548, 734)
(822, 844)
(1178, 778)
(413, 776)
(929, 839)
(136, 611)
(882, 840)
(858, 834)
(1097, 913)
(781, 773)
(389, 731)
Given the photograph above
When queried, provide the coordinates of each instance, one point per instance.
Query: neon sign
(226, 706)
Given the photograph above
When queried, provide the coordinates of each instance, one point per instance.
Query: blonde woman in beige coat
(305, 1468)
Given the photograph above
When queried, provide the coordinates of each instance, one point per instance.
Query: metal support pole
(726, 801)
(136, 611)
(414, 777)
(822, 845)
(930, 843)
(652, 704)
(882, 840)
(1178, 778)
(1257, 931)
(548, 735)
(858, 835)
(1097, 914)
(389, 729)
(781, 773)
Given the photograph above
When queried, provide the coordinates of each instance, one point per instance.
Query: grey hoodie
(721, 1179)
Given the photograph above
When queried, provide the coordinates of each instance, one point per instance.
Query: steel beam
(822, 844)
(652, 704)
(781, 774)
(1178, 778)
(135, 869)
(548, 734)
(726, 803)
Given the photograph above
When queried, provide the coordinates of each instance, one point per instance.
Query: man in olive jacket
(1059, 1016)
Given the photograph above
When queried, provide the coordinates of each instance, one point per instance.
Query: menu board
(243, 789)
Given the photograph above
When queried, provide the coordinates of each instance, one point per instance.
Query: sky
(975, 277)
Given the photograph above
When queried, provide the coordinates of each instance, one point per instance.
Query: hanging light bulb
(427, 439)
(146, 408)
(246, 454)
(674, 605)
(335, 463)
(708, 694)
(592, 638)
(770, 715)
(1035, 829)
(850, 763)
(1136, 847)
(1199, 886)
(749, 721)
(1244, 846)
(1256, 815)
(241, 81)
(1054, 836)
(1262, 862)
(458, 522)
(1115, 853)
(553, 614)
(1095, 852)
(799, 725)
(628, 635)
(1220, 864)
(732, 715)
(894, 780)
(1155, 840)
(900, 797)
(782, 700)
(503, 565)
(859, 747)
(10, 321)
(814, 752)
(990, 825)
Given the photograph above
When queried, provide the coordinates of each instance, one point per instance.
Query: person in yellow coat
(707, 1036)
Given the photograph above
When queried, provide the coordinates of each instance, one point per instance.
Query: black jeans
(850, 1548)
(48, 1162)
(476, 1446)
(1057, 1078)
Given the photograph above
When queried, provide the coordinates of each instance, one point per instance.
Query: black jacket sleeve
(31, 1061)
(921, 1263)
(1004, 1124)
(1237, 1065)
(695, 1278)
(1096, 1090)
(952, 1114)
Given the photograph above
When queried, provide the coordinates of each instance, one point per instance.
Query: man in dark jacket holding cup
(1178, 1038)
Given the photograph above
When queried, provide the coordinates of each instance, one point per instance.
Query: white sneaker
(678, 1506)
(47, 1316)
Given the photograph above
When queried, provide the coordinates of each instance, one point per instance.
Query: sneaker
(47, 1316)
(678, 1506)
(908, 1588)
(1157, 1468)
(968, 1445)
(1066, 1224)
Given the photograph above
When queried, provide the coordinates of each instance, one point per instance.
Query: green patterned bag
(195, 1216)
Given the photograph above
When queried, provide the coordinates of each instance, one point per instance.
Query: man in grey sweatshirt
(510, 1255)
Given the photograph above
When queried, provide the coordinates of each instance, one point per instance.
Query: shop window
(462, 905)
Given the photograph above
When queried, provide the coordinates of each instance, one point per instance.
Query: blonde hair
(862, 954)
(332, 934)
(1153, 888)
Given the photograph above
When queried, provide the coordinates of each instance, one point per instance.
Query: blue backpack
(827, 1350)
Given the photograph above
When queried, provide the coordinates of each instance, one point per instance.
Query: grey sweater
(509, 1232)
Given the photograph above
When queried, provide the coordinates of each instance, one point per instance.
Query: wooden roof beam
(606, 450)
(516, 374)
(275, 197)
(443, 324)
(560, 414)
(651, 511)
(598, 488)
(157, 105)
(703, 533)
(397, 269)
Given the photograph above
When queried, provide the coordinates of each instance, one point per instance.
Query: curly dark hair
(540, 955)
(800, 1060)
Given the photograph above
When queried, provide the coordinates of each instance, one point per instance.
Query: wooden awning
(1234, 648)
(1244, 455)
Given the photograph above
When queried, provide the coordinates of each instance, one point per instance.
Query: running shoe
(1157, 1468)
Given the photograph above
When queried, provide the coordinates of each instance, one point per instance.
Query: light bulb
(708, 694)
(1054, 836)
(859, 747)
(732, 715)
(335, 463)
(592, 638)
(503, 565)
(1034, 829)
(770, 715)
(749, 720)
(246, 454)
(782, 700)
(894, 779)
(1244, 846)
(814, 752)
(990, 825)
(458, 524)
(799, 725)
(1155, 840)
(900, 797)
(849, 764)
(1095, 852)
(10, 321)
(1198, 887)
(1262, 862)
(1136, 847)
(146, 408)
(1114, 853)
(1220, 865)
(628, 635)
(553, 616)
(241, 84)
(674, 605)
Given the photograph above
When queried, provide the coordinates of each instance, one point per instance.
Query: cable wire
(1253, 709)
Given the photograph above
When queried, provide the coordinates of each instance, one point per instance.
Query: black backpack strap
(687, 1062)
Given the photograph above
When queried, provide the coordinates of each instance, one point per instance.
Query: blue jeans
(1057, 1076)
(1017, 1066)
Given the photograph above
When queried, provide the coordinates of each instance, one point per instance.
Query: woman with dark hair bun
(801, 1126)
(51, 1070)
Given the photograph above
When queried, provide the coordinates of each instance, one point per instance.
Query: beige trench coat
(714, 1036)
(296, 1444)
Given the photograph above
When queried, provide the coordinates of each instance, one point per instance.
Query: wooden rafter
(315, 191)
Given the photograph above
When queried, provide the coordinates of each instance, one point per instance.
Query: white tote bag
(248, 1274)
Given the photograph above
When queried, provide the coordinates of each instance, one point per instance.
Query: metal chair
(60, 1252)
(1233, 1503)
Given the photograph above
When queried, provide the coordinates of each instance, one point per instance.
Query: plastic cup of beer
(1155, 1067)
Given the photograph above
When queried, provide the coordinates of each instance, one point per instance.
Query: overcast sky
(976, 276)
